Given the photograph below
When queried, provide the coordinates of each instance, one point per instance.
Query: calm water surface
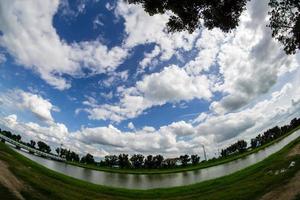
(135, 181)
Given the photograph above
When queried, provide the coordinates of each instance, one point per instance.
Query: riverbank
(38, 182)
(179, 169)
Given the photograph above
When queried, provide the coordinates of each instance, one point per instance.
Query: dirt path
(8, 180)
(295, 151)
(286, 192)
(290, 190)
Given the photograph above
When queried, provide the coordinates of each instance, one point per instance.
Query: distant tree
(224, 153)
(111, 160)
(32, 144)
(195, 159)
(43, 147)
(124, 161)
(7, 134)
(184, 159)
(157, 161)
(149, 163)
(74, 157)
(16, 137)
(57, 150)
(137, 160)
(241, 145)
(88, 159)
(294, 123)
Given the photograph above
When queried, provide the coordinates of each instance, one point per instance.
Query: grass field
(251, 183)
(178, 169)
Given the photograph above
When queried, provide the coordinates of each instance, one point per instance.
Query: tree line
(261, 139)
(138, 161)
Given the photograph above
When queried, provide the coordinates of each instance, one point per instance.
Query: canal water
(138, 181)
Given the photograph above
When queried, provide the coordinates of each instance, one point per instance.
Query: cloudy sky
(104, 77)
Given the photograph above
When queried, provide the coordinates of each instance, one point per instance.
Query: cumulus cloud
(172, 84)
(28, 101)
(251, 62)
(141, 28)
(175, 138)
(40, 48)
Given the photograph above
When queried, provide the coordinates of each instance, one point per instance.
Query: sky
(104, 77)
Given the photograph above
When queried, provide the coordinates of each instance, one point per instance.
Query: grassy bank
(250, 183)
(178, 169)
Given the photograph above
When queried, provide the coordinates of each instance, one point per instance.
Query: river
(150, 181)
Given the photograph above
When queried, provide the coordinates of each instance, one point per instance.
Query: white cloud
(141, 28)
(172, 84)
(213, 131)
(98, 22)
(40, 49)
(251, 61)
(2, 58)
(131, 126)
(36, 104)
(149, 57)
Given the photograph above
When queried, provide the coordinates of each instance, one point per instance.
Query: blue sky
(105, 77)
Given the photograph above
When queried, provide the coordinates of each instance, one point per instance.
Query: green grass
(178, 169)
(249, 183)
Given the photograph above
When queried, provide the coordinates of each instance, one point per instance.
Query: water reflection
(136, 181)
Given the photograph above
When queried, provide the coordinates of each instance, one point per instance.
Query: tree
(74, 157)
(111, 160)
(43, 147)
(195, 159)
(285, 23)
(32, 144)
(57, 151)
(7, 134)
(149, 163)
(124, 161)
(88, 159)
(157, 161)
(184, 159)
(241, 145)
(16, 137)
(137, 160)
(188, 14)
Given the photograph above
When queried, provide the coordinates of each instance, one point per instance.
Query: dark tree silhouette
(88, 159)
(124, 161)
(285, 23)
(195, 159)
(111, 160)
(58, 151)
(191, 14)
(184, 159)
(149, 163)
(137, 160)
(43, 147)
(32, 144)
(157, 161)
(186, 14)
